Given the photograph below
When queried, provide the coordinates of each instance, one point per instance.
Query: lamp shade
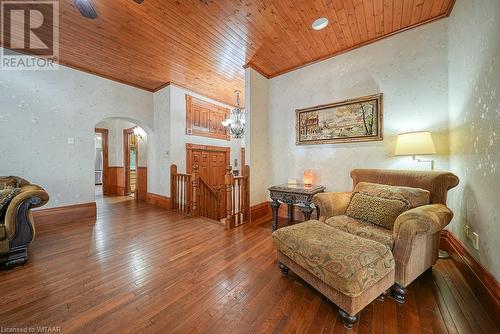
(415, 143)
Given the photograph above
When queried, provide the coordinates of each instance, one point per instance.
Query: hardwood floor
(144, 269)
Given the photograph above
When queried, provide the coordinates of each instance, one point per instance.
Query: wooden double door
(211, 162)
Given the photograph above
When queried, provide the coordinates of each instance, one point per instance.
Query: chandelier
(236, 121)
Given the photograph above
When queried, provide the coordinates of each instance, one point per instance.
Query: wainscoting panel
(115, 185)
(142, 184)
(260, 212)
(158, 200)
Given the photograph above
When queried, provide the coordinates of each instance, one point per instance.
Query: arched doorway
(120, 158)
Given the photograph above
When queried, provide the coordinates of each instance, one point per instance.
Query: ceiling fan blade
(86, 8)
(139, 1)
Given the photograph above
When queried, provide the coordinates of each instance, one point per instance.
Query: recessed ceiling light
(320, 23)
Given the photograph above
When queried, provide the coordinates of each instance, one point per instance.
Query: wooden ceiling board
(205, 47)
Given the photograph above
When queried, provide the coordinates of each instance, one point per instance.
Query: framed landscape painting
(347, 121)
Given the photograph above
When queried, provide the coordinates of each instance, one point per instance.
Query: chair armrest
(36, 196)
(427, 219)
(331, 204)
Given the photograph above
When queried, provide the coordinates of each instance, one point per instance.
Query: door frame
(126, 157)
(195, 147)
(104, 133)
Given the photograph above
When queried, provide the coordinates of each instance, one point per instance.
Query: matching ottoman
(349, 270)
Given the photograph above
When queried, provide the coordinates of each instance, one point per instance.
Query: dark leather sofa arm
(31, 196)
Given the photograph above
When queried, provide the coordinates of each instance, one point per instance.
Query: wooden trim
(450, 8)
(258, 69)
(192, 147)
(130, 84)
(105, 158)
(158, 200)
(178, 85)
(66, 214)
(212, 109)
(101, 130)
(208, 148)
(104, 76)
(141, 190)
(320, 59)
(127, 133)
(164, 85)
(260, 212)
(85, 70)
(481, 281)
(126, 157)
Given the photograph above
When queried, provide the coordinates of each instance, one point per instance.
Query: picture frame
(353, 120)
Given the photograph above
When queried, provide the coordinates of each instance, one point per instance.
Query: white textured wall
(115, 128)
(257, 138)
(40, 110)
(474, 80)
(159, 147)
(170, 129)
(410, 69)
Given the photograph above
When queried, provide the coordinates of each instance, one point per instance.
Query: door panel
(212, 165)
(217, 175)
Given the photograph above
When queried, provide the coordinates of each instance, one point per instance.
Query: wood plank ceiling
(203, 45)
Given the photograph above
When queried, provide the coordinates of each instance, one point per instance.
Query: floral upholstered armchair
(404, 210)
(17, 198)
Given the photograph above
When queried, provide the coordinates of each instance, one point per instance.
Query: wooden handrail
(208, 200)
(193, 196)
(209, 188)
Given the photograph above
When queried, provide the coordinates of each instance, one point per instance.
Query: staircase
(194, 197)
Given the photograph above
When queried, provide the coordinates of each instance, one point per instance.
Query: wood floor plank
(471, 307)
(430, 315)
(390, 316)
(138, 269)
(456, 313)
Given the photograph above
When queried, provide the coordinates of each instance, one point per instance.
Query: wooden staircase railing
(237, 197)
(181, 191)
(208, 200)
(193, 196)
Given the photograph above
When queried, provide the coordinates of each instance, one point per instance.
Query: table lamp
(416, 143)
(308, 177)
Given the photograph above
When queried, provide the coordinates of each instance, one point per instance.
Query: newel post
(194, 190)
(173, 186)
(229, 203)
